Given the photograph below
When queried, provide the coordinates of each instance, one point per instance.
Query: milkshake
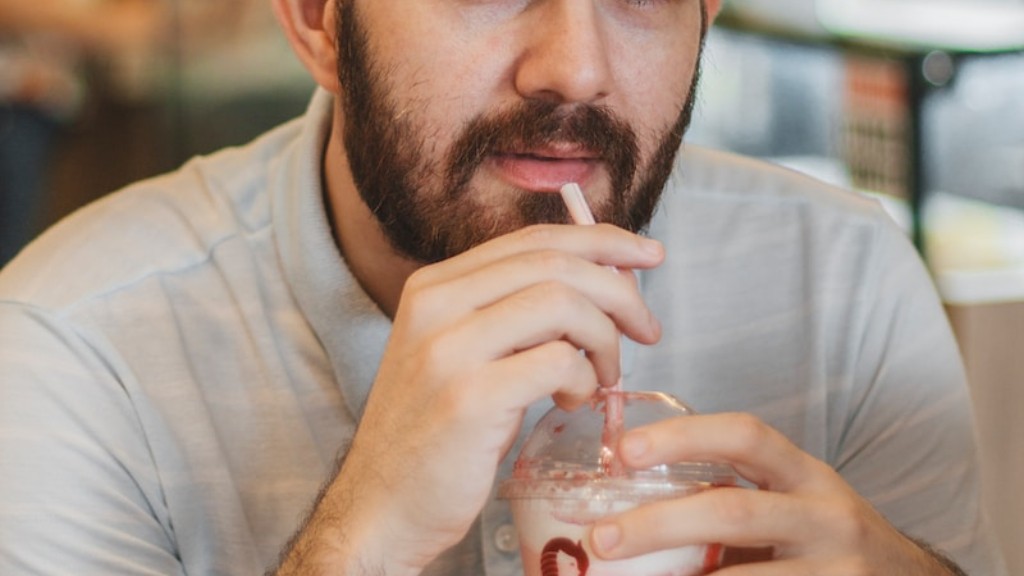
(561, 486)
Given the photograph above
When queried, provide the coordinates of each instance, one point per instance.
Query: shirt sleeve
(79, 492)
(909, 444)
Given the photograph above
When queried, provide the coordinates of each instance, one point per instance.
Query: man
(185, 363)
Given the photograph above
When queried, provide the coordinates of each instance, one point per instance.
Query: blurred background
(95, 94)
(919, 103)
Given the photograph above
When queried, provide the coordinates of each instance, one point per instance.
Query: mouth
(545, 169)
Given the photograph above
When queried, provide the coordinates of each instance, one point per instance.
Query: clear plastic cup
(562, 484)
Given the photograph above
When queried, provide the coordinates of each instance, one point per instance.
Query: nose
(566, 58)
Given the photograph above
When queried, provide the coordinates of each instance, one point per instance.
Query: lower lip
(540, 175)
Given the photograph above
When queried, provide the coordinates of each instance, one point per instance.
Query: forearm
(948, 565)
(340, 537)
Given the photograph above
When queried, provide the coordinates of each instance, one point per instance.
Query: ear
(310, 28)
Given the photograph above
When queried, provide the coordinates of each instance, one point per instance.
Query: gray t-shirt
(181, 362)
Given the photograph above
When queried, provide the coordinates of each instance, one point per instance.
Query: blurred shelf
(896, 25)
(896, 55)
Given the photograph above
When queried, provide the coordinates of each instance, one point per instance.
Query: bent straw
(580, 213)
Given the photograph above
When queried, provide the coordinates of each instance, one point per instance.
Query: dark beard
(387, 159)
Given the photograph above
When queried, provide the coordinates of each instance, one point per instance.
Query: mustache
(534, 124)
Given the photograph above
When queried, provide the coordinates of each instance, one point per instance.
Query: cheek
(438, 89)
(656, 93)
(657, 111)
(427, 103)
(438, 116)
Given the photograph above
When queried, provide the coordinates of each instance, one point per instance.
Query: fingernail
(652, 247)
(634, 446)
(606, 537)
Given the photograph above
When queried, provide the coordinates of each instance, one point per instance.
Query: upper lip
(555, 152)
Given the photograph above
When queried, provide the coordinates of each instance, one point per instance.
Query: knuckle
(419, 293)
(570, 372)
(422, 298)
(562, 357)
(452, 403)
(435, 357)
(453, 391)
(573, 369)
(733, 510)
(552, 262)
(419, 279)
(462, 402)
(418, 311)
(846, 521)
(540, 235)
(749, 432)
(557, 296)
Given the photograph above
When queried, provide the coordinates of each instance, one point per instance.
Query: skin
(479, 337)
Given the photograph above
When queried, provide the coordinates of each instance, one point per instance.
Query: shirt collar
(348, 323)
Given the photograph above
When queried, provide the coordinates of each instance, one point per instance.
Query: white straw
(580, 213)
(577, 204)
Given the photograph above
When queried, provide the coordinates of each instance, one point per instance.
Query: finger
(541, 313)
(732, 516)
(553, 369)
(614, 293)
(758, 452)
(602, 244)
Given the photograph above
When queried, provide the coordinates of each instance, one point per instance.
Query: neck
(380, 270)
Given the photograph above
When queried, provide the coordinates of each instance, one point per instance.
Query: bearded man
(315, 354)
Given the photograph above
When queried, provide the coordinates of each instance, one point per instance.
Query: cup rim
(649, 484)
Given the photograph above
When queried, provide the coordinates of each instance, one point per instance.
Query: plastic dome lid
(564, 456)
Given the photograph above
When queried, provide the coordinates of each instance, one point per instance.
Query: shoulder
(748, 242)
(162, 225)
(725, 202)
(733, 178)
